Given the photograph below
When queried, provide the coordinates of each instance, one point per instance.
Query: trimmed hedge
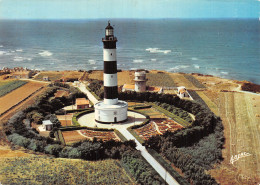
(181, 180)
(142, 107)
(120, 135)
(76, 110)
(77, 115)
(137, 137)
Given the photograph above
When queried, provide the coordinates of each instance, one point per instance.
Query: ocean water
(226, 48)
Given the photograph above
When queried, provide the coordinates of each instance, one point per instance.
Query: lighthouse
(110, 67)
(111, 110)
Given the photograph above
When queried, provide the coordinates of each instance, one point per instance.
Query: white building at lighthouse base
(116, 113)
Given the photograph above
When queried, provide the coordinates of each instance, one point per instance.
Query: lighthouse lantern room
(111, 110)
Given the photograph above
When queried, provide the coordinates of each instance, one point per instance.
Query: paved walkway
(133, 118)
(90, 96)
(160, 170)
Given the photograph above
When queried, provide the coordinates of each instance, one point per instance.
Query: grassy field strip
(253, 123)
(213, 107)
(230, 114)
(182, 81)
(46, 170)
(160, 79)
(241, 131)
(226, 105)
(18, 95)
(10, 86)
(246, 139)
(194, 81)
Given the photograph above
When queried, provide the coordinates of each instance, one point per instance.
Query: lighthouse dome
(109, 26)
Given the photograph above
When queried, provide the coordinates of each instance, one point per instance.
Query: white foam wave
(196, 66)
(94, 67)
(92, 62)
(194, 58)
(133, 68)
(153, 59)
(2, 52)
(1, 46)
(158, 50)
(45, 53)
(19, 50)
(12, 51)
(138, 61)
(176, 68)
(20, 59)
(224, 72)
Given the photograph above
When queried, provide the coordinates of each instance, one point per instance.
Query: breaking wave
(92, 62)
(158, 50)
(2, 52)
(45, 54)
(224, 72)
(176, 68)
(138, 61)
(20, 59)
(194, 58)
(19, 50)
(153, 59)
(196, 66)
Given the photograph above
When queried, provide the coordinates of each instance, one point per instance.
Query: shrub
(37, 146)
(65, 152)
(19, 140)
(74, 153)
(53, 149)
(140, 169)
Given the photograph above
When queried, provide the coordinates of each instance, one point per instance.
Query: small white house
(47, 125)
(45, 78)
(182, 92)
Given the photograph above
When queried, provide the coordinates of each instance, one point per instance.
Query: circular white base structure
(105, 113)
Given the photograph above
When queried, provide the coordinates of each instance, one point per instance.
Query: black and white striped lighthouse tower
(111, 110)
(110, 66)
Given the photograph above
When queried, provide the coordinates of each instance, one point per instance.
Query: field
(217, 83)
(46, 170)
(6, 152)
(72, 136)
(239, 112)
(124, 77)
(66, 120)
(180, 80)
(213, 107)
(160, 79)
(18, 95)
(57, 75)
(153, 113)
(10, 85)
